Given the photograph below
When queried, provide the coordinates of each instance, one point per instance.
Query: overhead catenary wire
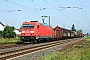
(58, 3)
(36, 3)
(84, 12)
(10, 12)
(43, 8)
(24, 7)
(61, 6)
(40, 8)
(56, 9)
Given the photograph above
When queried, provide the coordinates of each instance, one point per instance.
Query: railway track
(17, 53)
(10, 46)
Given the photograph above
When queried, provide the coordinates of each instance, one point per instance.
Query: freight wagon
(62, 33)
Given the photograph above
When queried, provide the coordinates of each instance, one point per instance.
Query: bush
(8, 32)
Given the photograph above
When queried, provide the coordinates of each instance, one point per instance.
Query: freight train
(34, 32)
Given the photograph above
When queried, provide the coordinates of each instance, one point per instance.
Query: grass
(77, 52)
(88, 39)
(9, 41)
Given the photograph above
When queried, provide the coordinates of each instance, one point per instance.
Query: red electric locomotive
(35, 32)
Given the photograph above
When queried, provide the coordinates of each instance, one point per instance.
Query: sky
(63, 13)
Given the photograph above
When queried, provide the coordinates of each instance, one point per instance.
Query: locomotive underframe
(33, 39)
(28, 39)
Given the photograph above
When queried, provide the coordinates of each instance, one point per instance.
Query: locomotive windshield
(28, 25)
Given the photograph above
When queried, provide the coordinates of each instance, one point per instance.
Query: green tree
(8, 32)
(1, 34)
(73, 28)
(87, 34)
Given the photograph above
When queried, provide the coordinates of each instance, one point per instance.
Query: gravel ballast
(36, 55)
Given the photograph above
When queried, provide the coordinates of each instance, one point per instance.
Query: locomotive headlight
(23, 31)
(31, 31)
